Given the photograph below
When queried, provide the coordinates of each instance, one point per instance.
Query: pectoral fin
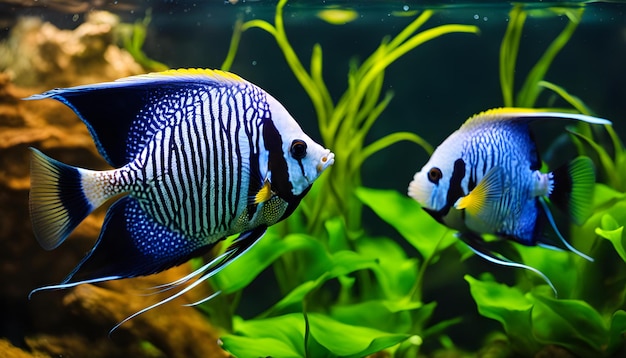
(482, 202)
(264, 194)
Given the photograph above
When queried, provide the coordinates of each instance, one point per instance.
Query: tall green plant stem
(344, 125)
(509, 49)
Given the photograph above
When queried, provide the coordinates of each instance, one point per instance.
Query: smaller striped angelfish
(485, 179)
(198, 155)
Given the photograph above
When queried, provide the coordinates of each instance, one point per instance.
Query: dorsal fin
(118, 114)
(185, 74)
(514, 114)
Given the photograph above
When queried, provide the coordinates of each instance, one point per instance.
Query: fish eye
(298, 149)
(434, 174)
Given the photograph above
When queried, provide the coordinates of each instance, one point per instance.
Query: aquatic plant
(509, 49)
(588, 316)
(343, 292)
(133, 36)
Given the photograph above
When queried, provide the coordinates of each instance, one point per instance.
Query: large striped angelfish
(485, 179)
(198, 155)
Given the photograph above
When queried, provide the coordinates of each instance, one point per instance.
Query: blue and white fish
(198, 155)
(485, 179)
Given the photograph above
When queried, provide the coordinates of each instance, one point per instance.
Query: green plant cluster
(346, 293)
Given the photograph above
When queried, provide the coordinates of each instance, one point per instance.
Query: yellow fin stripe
(264, 194)
(483, 200)
(218, 75)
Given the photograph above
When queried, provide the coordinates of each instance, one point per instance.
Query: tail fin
(573, 188)
(57, 201)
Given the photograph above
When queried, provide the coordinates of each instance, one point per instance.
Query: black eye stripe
(455, 190)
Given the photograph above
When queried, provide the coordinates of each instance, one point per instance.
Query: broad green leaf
(390, 316)
(397, 274)
(258, 347)
(559, 266)
(239, 273)
(281, 336)
(345, 262)
(604, 194)
(340, 264)
(350, 341)
(612, 231)
(510, 307)
(296, 296)
(407, 217)
(607, 201)
(573, 324)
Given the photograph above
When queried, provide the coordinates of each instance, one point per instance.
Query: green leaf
(510, 307)
(605, 195)
(573, 324)
(388, 315)
(616, 331)
(530, 90)
(612, 231)
(407, 217)
(508, 52)
(396, 274)
(350, 341)
(296, 296)
(559, 266)
(281, 336)
(258, 347)
(606, 163)
(340, 264)
(239, 273)
(336, 230)
(569, 98)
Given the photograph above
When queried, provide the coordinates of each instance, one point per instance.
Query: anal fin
(240, 245)
(132, 244)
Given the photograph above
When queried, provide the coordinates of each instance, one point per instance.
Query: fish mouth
(327, 160)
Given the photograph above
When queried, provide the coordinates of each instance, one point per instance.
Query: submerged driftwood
(75, 322)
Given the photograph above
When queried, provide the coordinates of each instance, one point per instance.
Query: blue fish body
(485, 179)
(501, 149)
(198, 155)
